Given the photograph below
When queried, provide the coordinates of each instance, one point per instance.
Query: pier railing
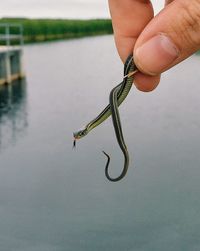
(11, 32)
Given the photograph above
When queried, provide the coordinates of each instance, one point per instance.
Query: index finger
(129, 17)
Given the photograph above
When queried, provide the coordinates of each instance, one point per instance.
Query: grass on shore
(37, 30)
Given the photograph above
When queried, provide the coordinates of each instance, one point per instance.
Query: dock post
(8, 68)
(21, 69)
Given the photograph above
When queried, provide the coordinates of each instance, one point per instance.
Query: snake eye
(80, 134)
(83, 133)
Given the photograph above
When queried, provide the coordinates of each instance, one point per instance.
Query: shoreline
(43, 30)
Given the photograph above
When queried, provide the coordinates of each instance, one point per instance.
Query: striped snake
(117, 96)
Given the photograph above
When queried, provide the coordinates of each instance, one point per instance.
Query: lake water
(53, 198)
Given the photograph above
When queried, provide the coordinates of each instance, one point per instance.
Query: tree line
(50, 29)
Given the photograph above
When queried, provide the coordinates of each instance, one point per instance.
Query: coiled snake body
(117, 96)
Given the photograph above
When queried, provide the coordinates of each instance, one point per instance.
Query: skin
(134, 25)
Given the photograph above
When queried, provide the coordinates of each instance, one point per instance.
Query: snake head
(80, 134)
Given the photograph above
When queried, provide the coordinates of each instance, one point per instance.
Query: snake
(117, 96)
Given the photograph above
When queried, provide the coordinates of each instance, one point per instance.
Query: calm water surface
(53, 198)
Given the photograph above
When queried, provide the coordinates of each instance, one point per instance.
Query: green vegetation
(37, 30)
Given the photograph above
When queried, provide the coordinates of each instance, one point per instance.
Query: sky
(59, 8)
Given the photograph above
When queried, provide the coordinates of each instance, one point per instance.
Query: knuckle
(188, 23)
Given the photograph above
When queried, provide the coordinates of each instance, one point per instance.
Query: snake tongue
(74, 143)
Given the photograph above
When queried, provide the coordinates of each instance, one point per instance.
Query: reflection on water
(13, 112)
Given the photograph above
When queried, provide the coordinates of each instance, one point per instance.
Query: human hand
(158, 43)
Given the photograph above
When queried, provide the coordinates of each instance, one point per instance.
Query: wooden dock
(11, 65)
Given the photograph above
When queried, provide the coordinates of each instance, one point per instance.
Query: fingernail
(156, 55)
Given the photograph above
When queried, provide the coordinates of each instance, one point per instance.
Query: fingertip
(124, 46)
(146, 83)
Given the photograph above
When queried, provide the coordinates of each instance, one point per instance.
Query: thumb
(172, 36)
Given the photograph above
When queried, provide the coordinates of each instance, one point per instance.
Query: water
(56, 199)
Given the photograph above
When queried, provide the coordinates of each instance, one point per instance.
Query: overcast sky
(59, 8)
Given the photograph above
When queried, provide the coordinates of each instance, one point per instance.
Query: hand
(158, 43)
